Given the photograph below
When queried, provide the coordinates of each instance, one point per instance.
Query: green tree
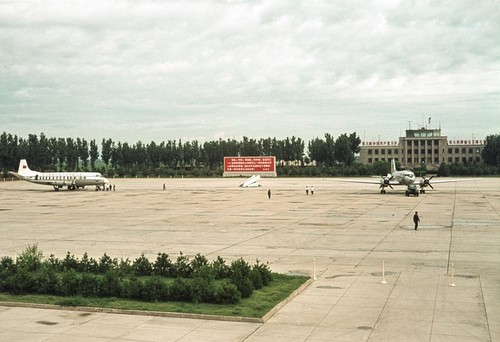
(94, 153)
(106, 145)
(491, 150)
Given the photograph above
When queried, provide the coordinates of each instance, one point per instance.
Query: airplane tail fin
(24, 170)
(393, 166)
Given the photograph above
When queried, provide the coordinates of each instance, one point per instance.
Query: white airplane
(72, 180)
(251, 182)
(404, 177)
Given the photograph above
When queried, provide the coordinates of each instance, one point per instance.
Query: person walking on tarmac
(416, 219)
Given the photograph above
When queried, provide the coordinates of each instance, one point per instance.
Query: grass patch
(261, 301)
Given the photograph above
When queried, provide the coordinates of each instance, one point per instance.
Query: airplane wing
(366, 181)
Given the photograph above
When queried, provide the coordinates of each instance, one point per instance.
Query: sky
(203, 70)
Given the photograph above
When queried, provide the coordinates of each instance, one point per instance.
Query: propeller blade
(390, 186)
(431, 186)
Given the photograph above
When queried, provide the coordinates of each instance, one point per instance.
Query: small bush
(220, 269)
(7, 264)
(141, 266)
(106, 263)
(155, 289)
(162, 266)
(30, 259)
(180, 290)
(182, 267)
(226, 293)
(69, 283)
(89, 285)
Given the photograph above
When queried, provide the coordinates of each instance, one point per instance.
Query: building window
(450, 151)
(409, 152)
(389, 151)
(456, 150)
(370, 160)
(409, 160)
(370, 152)
(450, 160)
(457, 160)
(382, 151)
(436, 151)
(470, 150)
(463, 150)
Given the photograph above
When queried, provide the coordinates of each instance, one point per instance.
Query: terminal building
(422, 147)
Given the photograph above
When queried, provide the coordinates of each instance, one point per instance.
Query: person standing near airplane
(416, 219)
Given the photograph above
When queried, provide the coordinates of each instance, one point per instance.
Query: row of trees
(70, 154)
(196, 279)
(331, 156)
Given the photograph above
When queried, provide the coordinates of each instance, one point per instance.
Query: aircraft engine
(426, 182)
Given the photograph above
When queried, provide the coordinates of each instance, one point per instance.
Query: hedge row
(195, 280)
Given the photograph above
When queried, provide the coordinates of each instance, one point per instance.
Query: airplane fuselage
(404, 177)
(72, 180)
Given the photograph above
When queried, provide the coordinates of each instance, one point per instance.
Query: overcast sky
(162, 70)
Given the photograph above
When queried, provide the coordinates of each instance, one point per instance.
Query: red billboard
(250, 165)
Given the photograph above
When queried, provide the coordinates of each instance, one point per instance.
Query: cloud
(188, 68)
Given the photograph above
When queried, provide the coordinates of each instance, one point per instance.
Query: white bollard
(314, 269)
(452, 277)
(383, 274)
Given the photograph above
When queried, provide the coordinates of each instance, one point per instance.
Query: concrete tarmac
(344, 232)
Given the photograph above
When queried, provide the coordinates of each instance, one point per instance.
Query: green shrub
(220, 269)
(110, 285)
(106, 263)
(256, 279)
(180, 290)
(30, 259)
(163, 266)
(69, 283)
(21, 282)
(87, 264)
(134, 288)
(89, 285)
(7, 264)
(202, 290)
(141, 266)
(264, 271)
(182, 267)
(244, 286)
(226, 293)
(70, 262)
(47, 280)
(198, 261)
(155, 289)
(240, 276)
